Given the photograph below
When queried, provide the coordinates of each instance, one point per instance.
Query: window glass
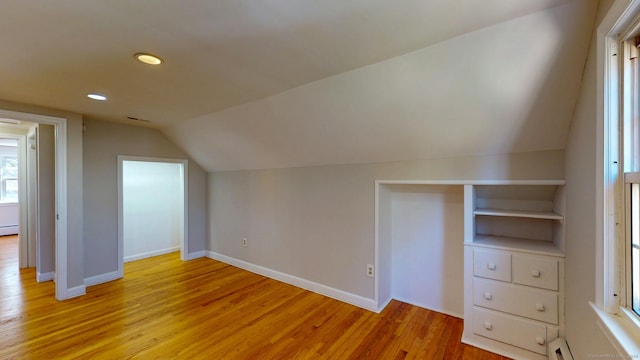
(8, 178)
(635, 247)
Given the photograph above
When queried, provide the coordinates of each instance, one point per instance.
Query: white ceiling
(236, 72)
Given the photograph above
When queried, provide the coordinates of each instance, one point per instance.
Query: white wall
(317, 223)
(153, 208)
(585, 338)
(9, 217)
(427, 240)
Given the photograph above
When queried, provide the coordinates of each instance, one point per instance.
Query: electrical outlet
(244, 242)
(370, 272)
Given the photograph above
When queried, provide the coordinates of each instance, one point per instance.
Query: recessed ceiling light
(97, 97)
(148, 59)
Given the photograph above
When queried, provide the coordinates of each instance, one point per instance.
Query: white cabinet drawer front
(517, 332)
(492, 264)
(535, 271)
(518, 300)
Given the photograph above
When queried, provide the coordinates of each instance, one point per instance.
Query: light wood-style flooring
(205, 309)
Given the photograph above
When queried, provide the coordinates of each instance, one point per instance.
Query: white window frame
(620, 325)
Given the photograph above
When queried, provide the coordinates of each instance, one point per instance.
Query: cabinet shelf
(517, 244)
(520, 213)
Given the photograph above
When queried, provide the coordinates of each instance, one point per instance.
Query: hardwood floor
(204, 309)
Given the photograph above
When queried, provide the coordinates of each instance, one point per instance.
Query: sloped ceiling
(280, 83)
(510, 87)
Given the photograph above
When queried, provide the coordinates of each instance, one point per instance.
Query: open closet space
(421, 251)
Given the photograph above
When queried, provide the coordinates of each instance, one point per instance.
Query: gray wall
(103, 142)
(583, 334)
(317, 223)
(46, 183)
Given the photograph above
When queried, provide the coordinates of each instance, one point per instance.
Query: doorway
(60, 195)
(152, 208)
(28, 193)
(18, 195)
(9, 207)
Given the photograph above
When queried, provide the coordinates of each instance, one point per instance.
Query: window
(633, 250)
(617, 302)
(630, 145)
(8, 178)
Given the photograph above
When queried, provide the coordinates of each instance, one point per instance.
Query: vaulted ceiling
(280, 83)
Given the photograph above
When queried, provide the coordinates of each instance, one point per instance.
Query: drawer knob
(488, 296)
(488, 325)
(540, 340)
(535, 273)
(540, 307)
(491, 266)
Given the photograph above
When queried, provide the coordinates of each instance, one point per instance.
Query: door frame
(184, 245)
(26, 250)
(61, 246)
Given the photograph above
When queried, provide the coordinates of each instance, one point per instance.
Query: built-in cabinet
(513, 256)
(514, 267)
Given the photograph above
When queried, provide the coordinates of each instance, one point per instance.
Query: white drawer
(538, 271)
(492, 264)
(518, 332)
(518, 300)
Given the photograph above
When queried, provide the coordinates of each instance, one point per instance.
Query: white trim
(185, 222)
(384, 304)
(151, 254)
(607, 157)
(120, 269)
(356, 300)
(610, 258)
(620, 331)
(471, 182)
(9, 230)
(196, 255)
(76, 291)
(42, 277)
(376, 246)
(184, 245)
(632, 177)
(23, 237)
(60, 124)
(618, 18)
(102, 278)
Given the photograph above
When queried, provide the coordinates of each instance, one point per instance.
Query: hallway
(8, 256)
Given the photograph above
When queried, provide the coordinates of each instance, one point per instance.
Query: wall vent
(137, 119)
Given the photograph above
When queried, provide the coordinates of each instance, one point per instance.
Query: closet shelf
(520, 213)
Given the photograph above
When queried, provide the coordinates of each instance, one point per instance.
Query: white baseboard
(9, 230)
(446, 312)
(383, 305)
(151, 253)
(76, 291)
(356, 300)
(195, 255)
(102, 278)
(42, 277)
